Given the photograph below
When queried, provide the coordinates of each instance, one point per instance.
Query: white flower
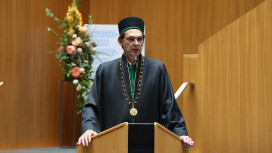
(77, 41)
(73, 64)
(93, 49)
(79, 50)
(78, 88)
(75, 81)
(87, 43)
(85, 61)
(82, 70)
(74, 35)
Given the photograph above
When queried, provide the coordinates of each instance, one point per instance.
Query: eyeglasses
(132, 39)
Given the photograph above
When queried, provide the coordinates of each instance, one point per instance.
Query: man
(132, 89)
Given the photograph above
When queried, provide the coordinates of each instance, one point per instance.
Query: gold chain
(139, 83)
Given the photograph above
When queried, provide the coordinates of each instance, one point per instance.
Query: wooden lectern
(134, 138)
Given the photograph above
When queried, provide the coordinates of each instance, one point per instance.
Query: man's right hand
(86, 137)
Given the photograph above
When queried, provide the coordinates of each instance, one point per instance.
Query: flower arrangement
(76, 51)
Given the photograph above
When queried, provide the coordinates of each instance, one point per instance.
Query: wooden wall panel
(30, 95)
(173, 27)
(195, 120)
(31, 92)
(233, 86)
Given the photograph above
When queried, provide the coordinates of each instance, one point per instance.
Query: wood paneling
(113, 140)
(229, 109)
(30, 95)
(173, 27)
(166, 141)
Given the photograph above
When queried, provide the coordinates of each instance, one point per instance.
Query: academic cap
(130, 23)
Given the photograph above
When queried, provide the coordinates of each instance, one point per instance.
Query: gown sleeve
(171, 114)
(91, 110)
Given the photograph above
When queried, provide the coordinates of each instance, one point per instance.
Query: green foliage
(76, 52)
(77, 2)
(90, 21)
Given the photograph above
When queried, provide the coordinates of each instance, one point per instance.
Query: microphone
(136, 62)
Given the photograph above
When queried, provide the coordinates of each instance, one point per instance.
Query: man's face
(132, 43)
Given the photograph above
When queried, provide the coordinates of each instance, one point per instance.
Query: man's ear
(120, 41)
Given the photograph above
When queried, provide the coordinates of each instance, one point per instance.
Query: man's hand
(86, 137)
(187, 142)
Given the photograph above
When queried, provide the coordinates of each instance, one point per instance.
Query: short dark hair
(122, 36)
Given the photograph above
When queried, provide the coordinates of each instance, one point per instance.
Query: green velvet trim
(132, 71)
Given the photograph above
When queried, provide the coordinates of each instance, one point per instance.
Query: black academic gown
(107, 107)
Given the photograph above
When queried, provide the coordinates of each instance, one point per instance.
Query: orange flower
(82, 29)
(75, 72)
